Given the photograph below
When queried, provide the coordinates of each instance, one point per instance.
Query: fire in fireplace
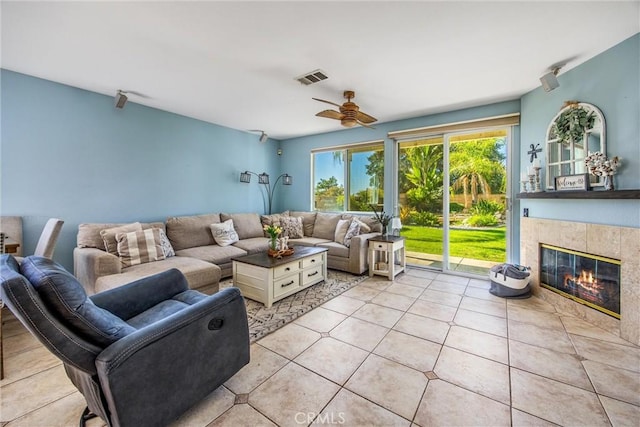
(588, 279)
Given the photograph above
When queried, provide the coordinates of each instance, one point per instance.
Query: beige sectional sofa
(202, 260)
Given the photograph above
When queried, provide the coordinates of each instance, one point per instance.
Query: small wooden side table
(386, 256)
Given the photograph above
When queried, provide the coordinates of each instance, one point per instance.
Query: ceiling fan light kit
(349, 114)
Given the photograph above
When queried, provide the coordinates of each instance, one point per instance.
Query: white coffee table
(266, 279)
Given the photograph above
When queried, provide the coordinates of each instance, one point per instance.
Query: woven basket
(280, 254)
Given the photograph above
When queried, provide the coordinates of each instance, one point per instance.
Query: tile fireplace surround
(621, 243)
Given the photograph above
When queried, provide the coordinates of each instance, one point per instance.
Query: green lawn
(484, 244)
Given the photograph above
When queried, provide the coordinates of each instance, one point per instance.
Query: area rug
(263, 321)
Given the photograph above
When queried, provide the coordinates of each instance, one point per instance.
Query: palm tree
(472, 164)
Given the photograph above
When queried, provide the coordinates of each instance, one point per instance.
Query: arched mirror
(575, 131)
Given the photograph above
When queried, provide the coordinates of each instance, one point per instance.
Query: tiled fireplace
(591, 245)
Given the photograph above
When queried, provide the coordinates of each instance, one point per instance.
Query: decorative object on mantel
(382, 218)
(536, 166)
(577, 129)
(524, 179)
(572, 123)
(599, 165)
(533, 153)
(579, 182)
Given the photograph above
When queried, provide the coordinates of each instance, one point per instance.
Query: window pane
(366, 178)
(328, 181)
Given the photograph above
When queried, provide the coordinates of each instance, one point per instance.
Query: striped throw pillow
(139, 247)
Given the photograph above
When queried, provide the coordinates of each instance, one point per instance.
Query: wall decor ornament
(573, 122)
(599, 165)
(577, 129)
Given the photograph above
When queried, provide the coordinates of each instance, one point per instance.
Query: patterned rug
(263, 321)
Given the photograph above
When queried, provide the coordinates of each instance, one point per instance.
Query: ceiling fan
(349, 115)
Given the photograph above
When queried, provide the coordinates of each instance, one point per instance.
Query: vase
(608, 183)
(273, 243)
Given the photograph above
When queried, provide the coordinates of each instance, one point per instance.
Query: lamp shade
(245, 176)
(395, 223)
(263, 178)
(287, 179)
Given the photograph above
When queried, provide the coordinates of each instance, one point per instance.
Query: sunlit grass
(482, 244)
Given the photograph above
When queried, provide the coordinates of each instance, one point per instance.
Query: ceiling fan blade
(328, 102)
(364, 124)
(331, 114)
(365, 118)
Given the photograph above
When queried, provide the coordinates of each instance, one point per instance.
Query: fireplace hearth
(585, 278)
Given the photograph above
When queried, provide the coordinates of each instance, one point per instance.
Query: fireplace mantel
(616, 194)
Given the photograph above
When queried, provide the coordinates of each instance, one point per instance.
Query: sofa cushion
(307, 241)
(247, 225)
(66, 297)
(191, 231)
(253, 245)
(292, 227)
(198, 273)
(335, 249)
(109, 236)
(362, 226)
(273, 219)
(223, 233)
(89, 234)
(308, 221)
(325, 225)
(214, 254)
(138, 247)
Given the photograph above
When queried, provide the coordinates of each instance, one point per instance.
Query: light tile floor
(427, 349)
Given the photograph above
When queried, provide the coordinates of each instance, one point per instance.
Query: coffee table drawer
(312, 275)
(286, 269)
(313, 260)
(282, 286)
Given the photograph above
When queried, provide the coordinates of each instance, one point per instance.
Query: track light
(550, 81)
(121, 99)
(264, 137)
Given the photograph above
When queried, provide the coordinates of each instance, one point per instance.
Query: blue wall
(610, 81)
(69, 153)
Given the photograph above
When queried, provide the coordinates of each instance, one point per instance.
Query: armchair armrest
(89, 264)
(185, 356)
(133, 298)
(359, 252)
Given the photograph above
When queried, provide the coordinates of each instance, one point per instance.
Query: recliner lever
(215, 324)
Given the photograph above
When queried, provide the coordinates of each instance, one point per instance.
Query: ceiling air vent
(312, 77)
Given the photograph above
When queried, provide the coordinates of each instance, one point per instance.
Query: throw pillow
(354, 230)
(341, 230)
(363, 228)
(109, 236)
(167, 249)
(273, 219)
(224, 234)
(139, 247)
(292, 227)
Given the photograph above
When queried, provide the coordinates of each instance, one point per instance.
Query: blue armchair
(141, 354)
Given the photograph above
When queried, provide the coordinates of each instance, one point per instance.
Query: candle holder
(537, 188)
(532, 182)
(524, 186)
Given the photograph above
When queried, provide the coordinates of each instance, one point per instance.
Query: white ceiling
(234, 63)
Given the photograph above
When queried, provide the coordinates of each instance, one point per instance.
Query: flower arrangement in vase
(382, 218)
(273, 231)
(598, 164)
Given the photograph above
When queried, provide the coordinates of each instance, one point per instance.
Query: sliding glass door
(452, 200)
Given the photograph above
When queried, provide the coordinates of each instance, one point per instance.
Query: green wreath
(573, 123)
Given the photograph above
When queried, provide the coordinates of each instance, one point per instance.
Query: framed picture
(579, 182)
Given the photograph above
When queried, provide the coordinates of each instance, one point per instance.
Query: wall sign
(578, 182)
